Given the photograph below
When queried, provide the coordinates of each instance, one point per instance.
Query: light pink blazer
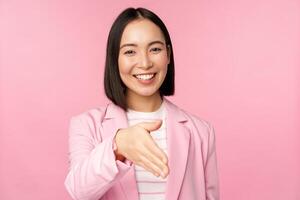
(95, 174)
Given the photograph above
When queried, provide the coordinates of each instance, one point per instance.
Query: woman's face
(143, 58)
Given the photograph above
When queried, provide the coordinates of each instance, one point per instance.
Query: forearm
(92, 176)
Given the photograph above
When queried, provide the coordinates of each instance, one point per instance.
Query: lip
(145, 73)
(146, 82)
(154, 74)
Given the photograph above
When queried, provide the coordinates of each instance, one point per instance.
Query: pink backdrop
(237, 65)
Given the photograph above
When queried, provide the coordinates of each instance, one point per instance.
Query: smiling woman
(143, 61)
(141, 145)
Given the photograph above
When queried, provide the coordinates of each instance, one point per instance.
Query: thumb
(151, 126)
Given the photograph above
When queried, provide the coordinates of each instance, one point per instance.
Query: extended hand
(136, 144)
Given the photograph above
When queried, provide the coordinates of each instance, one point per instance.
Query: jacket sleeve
(93, 168)
(211, 169)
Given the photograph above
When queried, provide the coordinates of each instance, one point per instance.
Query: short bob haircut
(114, 87)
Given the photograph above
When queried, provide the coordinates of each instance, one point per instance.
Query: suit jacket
(95, 174)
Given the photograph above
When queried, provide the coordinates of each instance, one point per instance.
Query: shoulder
(197, 124)
(201, 129)
(91, 116)
(190, 117)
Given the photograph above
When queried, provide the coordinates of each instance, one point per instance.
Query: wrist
(117, 153)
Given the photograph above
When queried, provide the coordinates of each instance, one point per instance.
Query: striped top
(149, 186)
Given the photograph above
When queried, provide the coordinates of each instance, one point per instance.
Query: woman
(140, 145)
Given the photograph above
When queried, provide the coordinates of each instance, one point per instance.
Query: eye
(156, 49)
(129, 52)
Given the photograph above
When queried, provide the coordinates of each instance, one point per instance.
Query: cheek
(124, 66)
(162, 64)
(162, 60)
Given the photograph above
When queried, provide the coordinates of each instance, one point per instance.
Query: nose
(145, 61)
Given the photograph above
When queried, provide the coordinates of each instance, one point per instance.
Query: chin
(146, 93)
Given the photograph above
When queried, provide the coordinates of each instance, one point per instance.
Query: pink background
(237, 66)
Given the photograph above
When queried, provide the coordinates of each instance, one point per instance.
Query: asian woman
(141, 146)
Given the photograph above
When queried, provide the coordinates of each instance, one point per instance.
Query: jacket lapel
(178, 138)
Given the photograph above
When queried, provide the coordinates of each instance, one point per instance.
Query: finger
(151, 166)
(157, 155)
(151, 126)
(141, 164)
(161, 154)
(155, 149)
(144, 156)
(144, 163)
(156, 161)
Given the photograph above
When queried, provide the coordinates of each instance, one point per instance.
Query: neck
(144, 103)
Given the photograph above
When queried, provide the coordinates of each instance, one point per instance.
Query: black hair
(113, 85)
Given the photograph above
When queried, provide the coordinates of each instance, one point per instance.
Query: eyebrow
(135, 45)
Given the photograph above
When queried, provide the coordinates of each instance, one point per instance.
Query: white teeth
(144, 76)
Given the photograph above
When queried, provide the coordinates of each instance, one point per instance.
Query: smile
(144, 76)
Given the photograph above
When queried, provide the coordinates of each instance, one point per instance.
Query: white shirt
(149, 186)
